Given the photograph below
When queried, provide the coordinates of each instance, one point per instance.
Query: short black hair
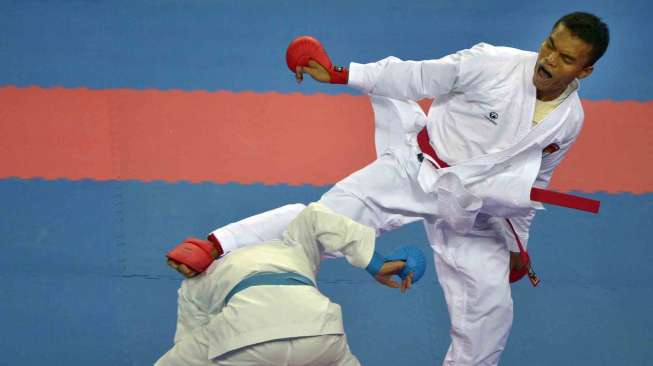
(591, 29)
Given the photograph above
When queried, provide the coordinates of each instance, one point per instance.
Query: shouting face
(562, 58)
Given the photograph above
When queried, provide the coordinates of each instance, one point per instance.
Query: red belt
(537, 194)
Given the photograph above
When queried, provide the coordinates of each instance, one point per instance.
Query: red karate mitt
(516, 274)
(305, 48)
(196, 253)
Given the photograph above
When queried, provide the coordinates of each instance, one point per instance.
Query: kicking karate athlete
(502, 121)
(259, 305)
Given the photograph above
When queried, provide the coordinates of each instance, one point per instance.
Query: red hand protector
(517, 273)
(194, 253)
(305, 48)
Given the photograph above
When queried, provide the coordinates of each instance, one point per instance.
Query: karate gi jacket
(269, 312)
(480, 123)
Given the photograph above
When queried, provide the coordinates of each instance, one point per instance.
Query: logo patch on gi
(492, 117)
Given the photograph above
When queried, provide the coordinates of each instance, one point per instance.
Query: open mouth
(543, 73)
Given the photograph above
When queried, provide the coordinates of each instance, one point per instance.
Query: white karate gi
(270, 324)
(481, 125)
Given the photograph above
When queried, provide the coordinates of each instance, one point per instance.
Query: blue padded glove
(414, 258)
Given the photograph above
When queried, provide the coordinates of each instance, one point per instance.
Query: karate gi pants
(472, 268)
(323, 350)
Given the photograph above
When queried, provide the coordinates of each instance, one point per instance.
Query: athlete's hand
(315, 70)
(182, 268)
(390, 269)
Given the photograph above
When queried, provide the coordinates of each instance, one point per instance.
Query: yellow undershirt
(542, 109)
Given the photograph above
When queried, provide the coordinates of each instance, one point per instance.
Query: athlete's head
(575, 43)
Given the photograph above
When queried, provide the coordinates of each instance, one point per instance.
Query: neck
(549, 95)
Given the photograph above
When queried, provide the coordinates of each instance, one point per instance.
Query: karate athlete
(259, 305)
(502, 121)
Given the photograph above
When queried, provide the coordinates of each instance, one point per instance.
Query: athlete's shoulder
(486, 64)
(490, 56)
(500, 52)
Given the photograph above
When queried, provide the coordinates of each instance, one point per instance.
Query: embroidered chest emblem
(492, 117)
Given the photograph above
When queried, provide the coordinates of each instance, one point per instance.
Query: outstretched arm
(317, 229)
(193, 256)
(256, 229)
(392, 77)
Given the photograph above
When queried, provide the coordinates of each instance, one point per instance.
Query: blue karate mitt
(414, 258)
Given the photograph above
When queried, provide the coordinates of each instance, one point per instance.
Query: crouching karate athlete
(501, 121)
(260, 306)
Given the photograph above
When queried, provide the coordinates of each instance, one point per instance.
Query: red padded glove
(305, 48)
(195, 253)
(516, 274)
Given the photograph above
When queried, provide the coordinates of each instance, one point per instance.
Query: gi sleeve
(318, 229)
(520, 226)
(257, 229)
(415, 80)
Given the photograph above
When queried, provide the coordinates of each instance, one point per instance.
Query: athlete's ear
(585, 72)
